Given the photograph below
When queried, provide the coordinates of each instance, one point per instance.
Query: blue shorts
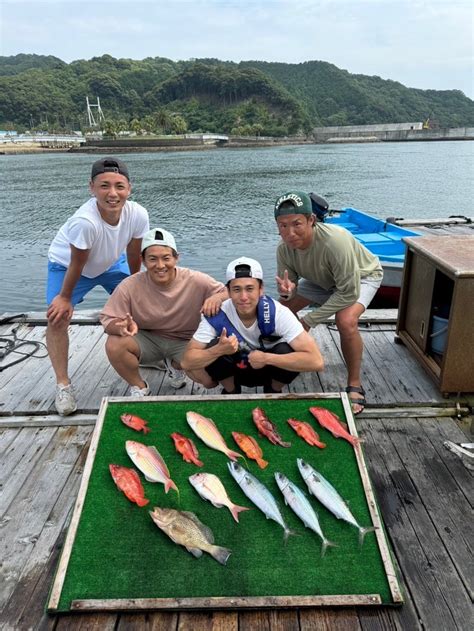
(108, 280)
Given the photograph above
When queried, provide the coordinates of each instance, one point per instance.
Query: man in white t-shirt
(151, 316)
(252, 341)
(88, 251)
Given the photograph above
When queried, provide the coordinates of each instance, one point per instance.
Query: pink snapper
(211, 488)
(206, 430)
(150, 463)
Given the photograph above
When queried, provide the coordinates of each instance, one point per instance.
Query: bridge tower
(100, 113)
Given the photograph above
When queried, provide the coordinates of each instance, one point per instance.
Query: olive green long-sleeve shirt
(336, 261)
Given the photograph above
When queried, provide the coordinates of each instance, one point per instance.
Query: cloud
(419, 43)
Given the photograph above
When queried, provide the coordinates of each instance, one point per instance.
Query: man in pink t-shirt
(152, 315)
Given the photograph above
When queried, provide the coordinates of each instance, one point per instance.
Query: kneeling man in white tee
(253, 341)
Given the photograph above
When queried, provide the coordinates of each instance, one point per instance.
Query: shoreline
(119, 147)
(28, 148)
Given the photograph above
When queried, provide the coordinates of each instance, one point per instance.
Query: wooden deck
(425, 492)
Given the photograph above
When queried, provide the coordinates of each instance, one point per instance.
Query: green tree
(109, 128)
(163, 119)
(136, 126)
(122, 125)
(149, 123)
(178, 124)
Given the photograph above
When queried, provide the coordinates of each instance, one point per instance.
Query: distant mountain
(22, 62)
(210, 95)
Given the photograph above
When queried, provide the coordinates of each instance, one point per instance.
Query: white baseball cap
(244, 267)
(158, 236)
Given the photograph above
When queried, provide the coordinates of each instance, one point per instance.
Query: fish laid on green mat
(327, 495)
(267, 428)
(211, 488)
(299, 504)
(306, 432)
(129, 483)
(186, 448)
(103, 567)
(185, 529)
(258, 494)
(206, 430)
(150, 463)
(250, 447)
(135, 422)
(333, 424)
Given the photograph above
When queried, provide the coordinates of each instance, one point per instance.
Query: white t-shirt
(86, 230)
(287, 327)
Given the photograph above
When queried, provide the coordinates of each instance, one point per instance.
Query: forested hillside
(160, 95)
(337, 97)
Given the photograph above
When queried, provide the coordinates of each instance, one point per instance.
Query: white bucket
(439, 334)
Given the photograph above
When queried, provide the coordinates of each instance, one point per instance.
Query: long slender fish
(151, 464)
(258, 494)
(299, 504)
(206, 430)
(327, 495)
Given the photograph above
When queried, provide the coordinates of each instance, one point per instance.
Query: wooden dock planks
(436, 578)
(425, 493)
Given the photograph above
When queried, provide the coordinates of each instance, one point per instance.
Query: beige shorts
(154, 348)
(318, 295)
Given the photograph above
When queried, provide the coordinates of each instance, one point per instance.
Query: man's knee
(347, 320)
(61, 326)
(116, 345)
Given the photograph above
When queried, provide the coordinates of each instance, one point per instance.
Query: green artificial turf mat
(119, 553)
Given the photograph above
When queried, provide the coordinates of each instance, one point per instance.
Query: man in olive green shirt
(325, 266)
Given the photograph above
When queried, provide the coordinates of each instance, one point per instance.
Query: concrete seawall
(370, 133)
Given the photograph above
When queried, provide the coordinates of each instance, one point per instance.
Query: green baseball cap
(300, 204)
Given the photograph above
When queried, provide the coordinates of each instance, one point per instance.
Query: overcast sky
(422, 44)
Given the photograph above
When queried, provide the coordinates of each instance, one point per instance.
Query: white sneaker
(136, 391)
(65, 400)
(177, 377)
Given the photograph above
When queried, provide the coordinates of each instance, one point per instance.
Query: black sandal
(359, 390)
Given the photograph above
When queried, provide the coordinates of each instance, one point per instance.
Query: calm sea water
(218, 203)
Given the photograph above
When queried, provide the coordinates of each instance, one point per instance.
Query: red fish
(127, 480)
(186, 448)
(135, 422)
(333, 423)
(306, 432)
(267, 428)
(250, 447)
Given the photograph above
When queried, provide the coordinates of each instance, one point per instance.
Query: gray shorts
(154, 348)
(318, 295)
